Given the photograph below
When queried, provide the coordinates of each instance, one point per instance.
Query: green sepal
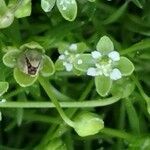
(125, 66)
(103, 85)
(81, 47)
(47, 5)
(10, 58)
(9, 48)
(59, 65)
(6, 18)
(48, 67)
(87, 123)
(77, 72)
(105, 45)
(32, 45)
(68, 9)
(24, 9)
(23, 79)
(87, 62)
(62, 47)
(3, 87)
(3, 6)
(124, 87)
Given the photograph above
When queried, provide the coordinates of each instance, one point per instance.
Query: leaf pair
(67, 8)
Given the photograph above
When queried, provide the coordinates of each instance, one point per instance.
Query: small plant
(74, 74)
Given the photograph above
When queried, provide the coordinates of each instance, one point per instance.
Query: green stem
(143, 94)
(118, 134)
(13, 93)
(48, 89)
(74, 104)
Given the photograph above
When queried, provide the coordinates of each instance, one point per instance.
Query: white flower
(115, 74)
(93, 72)
(96, 54)
(104, 66)
(80, 61)
(67, 59)
(114, 55)
(62, 57)
(68, 66)
(73, 47)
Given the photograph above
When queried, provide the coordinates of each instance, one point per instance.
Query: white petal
(92, 71)
(73, 47)
(96, 54)
(62, 57)
(68, 66)
(114, 55)
(66, 52)
(80, 61)
(3, 100)
(115, 74)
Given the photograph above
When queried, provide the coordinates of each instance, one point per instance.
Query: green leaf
(23, 79)
(0, 116)
(87, 123)
(134, 120)
(3, 6)
(105, 45)
(137, 3)
(48, 67)
(59, 65)
(6, 19)
(81, 47)
(62, 47)
(125, 66)
(32, 45)
(24, 9)
(83, 62)
(103, 85)
(10, 58)
(47, 5)
(19, 115)
(144, 44)
(68, 9)
(3, 87)
(124, 86)
(117, 14)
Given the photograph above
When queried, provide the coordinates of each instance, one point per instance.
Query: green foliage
(3, 87)
(74, 57)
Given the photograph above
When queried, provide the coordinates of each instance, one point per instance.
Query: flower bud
(87, 123)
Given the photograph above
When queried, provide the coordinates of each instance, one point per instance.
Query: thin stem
(118, 134)
(13, 93)
(48, 90)
(74, 104)
(143, 94)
